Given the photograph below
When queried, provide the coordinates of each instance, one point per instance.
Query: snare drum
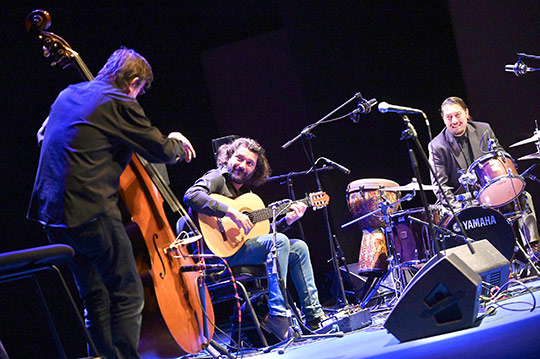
(498, 180)
(482, 223)
(365, 195)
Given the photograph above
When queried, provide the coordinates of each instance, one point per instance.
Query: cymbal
(414, 186)
(534, 138)
(532, 156)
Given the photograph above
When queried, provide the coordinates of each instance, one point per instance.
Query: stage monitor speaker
(440, 299)
(487, 261)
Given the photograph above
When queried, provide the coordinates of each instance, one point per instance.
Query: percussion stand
(410, 134)
(399, 283)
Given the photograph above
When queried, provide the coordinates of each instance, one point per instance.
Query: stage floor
(513, 331)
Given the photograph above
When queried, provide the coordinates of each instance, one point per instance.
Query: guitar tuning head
(318, 200)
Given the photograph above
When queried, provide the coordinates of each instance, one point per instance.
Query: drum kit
(395, 241)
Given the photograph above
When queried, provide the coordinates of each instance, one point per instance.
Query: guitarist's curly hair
(262, 172)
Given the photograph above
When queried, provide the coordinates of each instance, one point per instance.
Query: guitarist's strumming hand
(297, 210)
(240, 219)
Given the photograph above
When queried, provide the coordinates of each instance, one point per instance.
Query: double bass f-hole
(163, 273)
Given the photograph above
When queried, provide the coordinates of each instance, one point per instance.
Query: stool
(27, 263)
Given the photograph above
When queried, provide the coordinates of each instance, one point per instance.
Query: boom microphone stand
(306, 136)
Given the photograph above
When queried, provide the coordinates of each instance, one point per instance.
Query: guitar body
(221, 235)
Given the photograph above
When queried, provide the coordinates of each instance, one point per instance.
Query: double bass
(182, 297)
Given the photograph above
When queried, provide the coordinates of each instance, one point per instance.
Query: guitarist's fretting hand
(240, 219)
(297, 210)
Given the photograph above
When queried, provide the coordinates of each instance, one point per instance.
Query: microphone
(364, 106)
(335, 165)
(202, 267)
(519, 68)
(386, 107)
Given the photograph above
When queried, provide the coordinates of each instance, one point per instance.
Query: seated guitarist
(242, 164)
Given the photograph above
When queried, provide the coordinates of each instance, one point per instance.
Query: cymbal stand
(525, 247)
(530, 262)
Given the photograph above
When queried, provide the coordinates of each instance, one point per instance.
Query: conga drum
(365, 195)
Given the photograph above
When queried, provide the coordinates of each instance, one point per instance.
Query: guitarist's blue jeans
(293, 256)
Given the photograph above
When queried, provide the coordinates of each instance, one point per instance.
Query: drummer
(458, 145)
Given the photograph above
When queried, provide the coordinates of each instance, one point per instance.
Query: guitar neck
(267, 213)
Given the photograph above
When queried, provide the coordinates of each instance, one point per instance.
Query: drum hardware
(395, 269)
(530, 263)
(527, 174)
(520, 68)
(467, 180)
(414, 186)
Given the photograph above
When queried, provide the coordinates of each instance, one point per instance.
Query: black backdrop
(267, 69)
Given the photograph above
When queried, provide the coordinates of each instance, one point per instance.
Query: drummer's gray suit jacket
(446, 157)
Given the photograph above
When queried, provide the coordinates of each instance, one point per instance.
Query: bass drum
(482, 223)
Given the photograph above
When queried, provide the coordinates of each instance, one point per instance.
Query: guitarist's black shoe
(315, 324)
(279, 326)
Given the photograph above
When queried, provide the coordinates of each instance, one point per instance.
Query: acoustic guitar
(222, 235)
